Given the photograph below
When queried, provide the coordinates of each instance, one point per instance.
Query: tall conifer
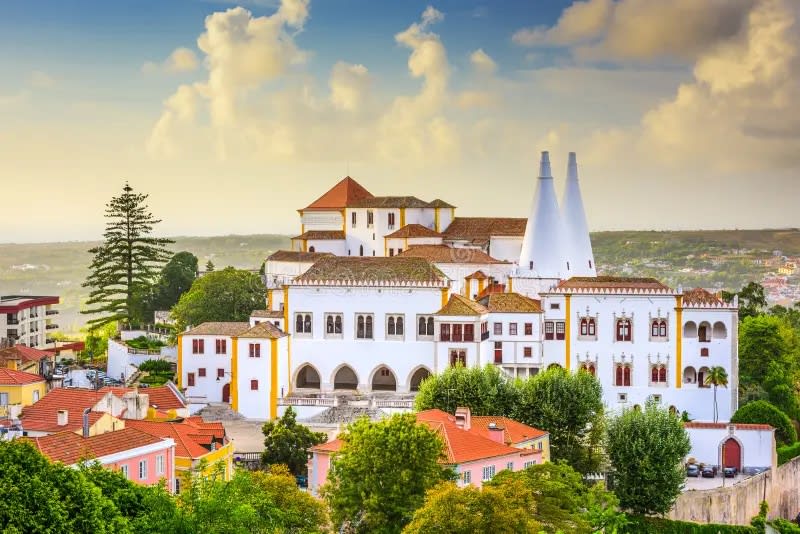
(125, 266)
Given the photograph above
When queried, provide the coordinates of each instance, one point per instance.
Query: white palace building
(377, 293)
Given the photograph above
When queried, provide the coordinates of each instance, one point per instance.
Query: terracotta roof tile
(700, 297)
(398, 269)
(477, 275)
(297, 256)
(184, 433)
(611, 282)
(265, 330)
(738, 426)
(341, 195)
(389, 202)
(514, 431)
(460, 305)
(321, 235)
(24, 353)
(160, 397)
(267, 314)
(491, 289)
(510, 303)
(439, 203)
(482, 228)
(12, 377)
(69, 447)
(414, 230)
(446, 254)
(43, 415)
(331, 446)
(218, 329)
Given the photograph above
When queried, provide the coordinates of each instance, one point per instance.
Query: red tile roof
(480, 229)
(413, 230)
(161, 397)
(446, 254)
(460, 305)
(510, 303)
(321, 235)
(612, 282)
(69, 447)
(368, 270)
(331, 446)
(12, 377)
(514, 431)
(341, 195)
(738, 426)
(491, 289)
(186, 434)
(477, 275)
(389, 202)
(701, 297)
(43, 415)
(267, 314)
(16, 303)
(23, 353)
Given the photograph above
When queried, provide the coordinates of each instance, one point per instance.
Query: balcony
(51, 326)
(51, 312)
(12, 321)
(484, 336)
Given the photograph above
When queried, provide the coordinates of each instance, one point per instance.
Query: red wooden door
(732, 454)
(226, 392)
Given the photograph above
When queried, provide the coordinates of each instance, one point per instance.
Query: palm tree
(716, 376)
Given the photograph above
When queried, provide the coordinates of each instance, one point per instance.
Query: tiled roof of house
(414, 230)
(185, 434)
(343, 194)
(159, 397)
(321, 235)
(297, 256)
(24, 353)
(446, 254)
(69, 447)
(331, 446)
(738, 426)
(12, 377)
(510, 303)
(480, 229)
(218, 329)
(514, 431)
(477, 275)
(491, 289)
(43, 415)
(700, 297)
(265, 330)
(460, 305)
(267, 314)
(360, 270)
(612, 282)
(439, 203)
(389, 202)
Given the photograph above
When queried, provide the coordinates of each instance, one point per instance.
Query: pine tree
(209, 266)
(126, 264)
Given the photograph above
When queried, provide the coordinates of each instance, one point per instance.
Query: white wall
(758, 446)
(322, 220)
(206, 386)
(505, 248)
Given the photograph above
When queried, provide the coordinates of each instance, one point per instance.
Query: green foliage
(505, 507)
(570, 407)
(209, 266)
(762, 340)
(763, 412)
(752, 300)
(602, 510)
(96, 341)
(646, 449)
(657, 525)
(784, 526)
(39, 496)
(287, 443)
(156, 366)
(157, 379)
(380, 476)
(226, 295)
(125, 264)
(717, 376)
(175, 279)
(788, 452)
(486, 391)
(144, 343)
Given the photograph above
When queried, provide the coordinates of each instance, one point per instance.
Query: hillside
(713, 259)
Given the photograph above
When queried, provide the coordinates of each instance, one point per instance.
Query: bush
(156, 379)
(144, 343)
(787, 452)
(156, 366)
(656, 525)
(762, 412)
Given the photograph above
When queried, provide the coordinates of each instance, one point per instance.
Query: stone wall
(737, 504)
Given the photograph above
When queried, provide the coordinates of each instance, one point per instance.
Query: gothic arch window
(302, 323)
(658, 374)
(624, 329)
(589, 368)
(588, 327)
(658, 329)
(622, 374)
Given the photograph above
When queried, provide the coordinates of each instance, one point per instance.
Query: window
(124, 470)
(488, 473)
(527, 352)
(549, 330)
(622, 397)
(221, 346)
(363, 326)
(201, 372)
(658, 328)
(622, 375)
(469, 332)
(528, 329)
(560, 330)
(498, 352)
(190, 379)
(424, 326)
(498, 329)
(255, 350)
(589, 368)
(160, 464)
(512, 329)
(656, 398)
(353, 219)
(458, 357)
(457, 332)
(467, 477)
(588, 327)
(142, 469)
(395, 326)
(510, 466)
(198, 346)
(444, 332)
(333, 325)
(555, 306)
(254, 385)
(704, 351)
(370, 218)
(220, 373)
(302, 324)
(360, 250)
(35, 396)
(390, 220)
(177, 485)
(623, 329)
(391, 252)
(658, 374)
(529, 463)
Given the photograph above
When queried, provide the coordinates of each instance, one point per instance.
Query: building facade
(27, 320)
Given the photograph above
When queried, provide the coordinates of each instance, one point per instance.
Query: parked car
(729, 472)
(709, 472)
(693, 471)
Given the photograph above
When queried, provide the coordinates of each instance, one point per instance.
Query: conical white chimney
(577, 244)
(541, 247)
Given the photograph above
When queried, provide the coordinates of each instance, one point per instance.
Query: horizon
(231, 115)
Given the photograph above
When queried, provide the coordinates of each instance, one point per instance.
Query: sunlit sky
(233, 115)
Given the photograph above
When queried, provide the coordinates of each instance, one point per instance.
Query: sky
(233, 115)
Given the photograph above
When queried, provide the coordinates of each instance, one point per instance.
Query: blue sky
(450, 99)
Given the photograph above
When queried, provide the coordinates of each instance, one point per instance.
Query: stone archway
(226, 392)
(307, 378)
(732, 453)
(383, 379)
(345, 378)
(417, 377)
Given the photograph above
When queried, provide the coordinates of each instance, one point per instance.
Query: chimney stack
(463, 418)
(62, 417)
(86, 422)
(496, 433)
(541, 254)
(579, 258)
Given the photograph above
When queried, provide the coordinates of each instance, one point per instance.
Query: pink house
(142, 458)
(476, 454)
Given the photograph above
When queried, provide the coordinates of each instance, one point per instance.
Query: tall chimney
(86, 422)
(578, 253)
(541, 255)
(463, 418)
(496, 433)
(62, 417)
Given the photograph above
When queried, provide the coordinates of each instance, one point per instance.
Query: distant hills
(719, 259)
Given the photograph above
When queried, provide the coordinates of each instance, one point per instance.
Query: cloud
(349, 85)
(180, 60)
(579, 22)
(41, 80)
(482, 63)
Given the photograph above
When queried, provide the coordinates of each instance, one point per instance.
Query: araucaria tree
(126, 264)
(646, 449)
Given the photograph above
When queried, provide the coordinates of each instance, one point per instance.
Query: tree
(763, 412)
(504, 508)
(646, 449)
(226, 295)
(209, 266)
(570, 407)
(125, 264)
(39, 496)
(764, 339)
(485, 390)
(287, 443)
(717, 376)
(380, 476)
(175, 279)
(752, 300)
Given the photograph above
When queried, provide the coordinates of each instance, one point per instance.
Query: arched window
(662, 374)
(704, 332)
(311, 249)
(589, 368)
(329, 328)
(307, 323)
(421, 331)
(430, 326)
(390, 330)
(337, 325)
(360, 327)
(654, 329)
(298, 324)
(360, 250)
(592, 328)
(584, 327)
(399, 326)
(658, 374)
(654, 374)
(369, 327)
(690, 329)
(623, 330)
(719, 331)
(302, 323)
(662, 328)
(622, 374)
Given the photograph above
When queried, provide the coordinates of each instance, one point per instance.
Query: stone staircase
(344, 414)
(219, 411)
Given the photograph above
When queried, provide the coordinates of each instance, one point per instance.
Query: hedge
(656, 525)
(787, 452)
(763, 412)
